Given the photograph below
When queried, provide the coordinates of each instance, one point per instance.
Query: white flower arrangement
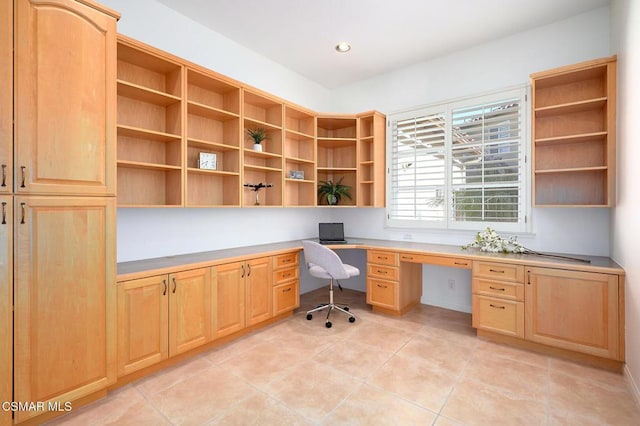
(489, 240)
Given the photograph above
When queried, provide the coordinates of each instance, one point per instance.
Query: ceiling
(385, 35)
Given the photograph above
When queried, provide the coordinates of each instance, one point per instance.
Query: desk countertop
(164, 265)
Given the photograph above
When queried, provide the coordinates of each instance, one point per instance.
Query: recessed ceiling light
(343, 47)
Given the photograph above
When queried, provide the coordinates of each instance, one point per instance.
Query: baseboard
(445, 305)
(635, 391)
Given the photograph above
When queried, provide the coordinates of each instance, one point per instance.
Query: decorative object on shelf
(489, 240)
(333, 192)
(208, 161)
(296, 174)
(255, 187)
(258, 135)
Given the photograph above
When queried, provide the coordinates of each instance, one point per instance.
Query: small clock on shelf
(208, 161)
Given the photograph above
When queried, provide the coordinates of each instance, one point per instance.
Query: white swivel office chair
(323, 262)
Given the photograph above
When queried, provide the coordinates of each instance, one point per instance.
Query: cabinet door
(6, 304)
(573, 310)
(65, 98)
(259, 291)
(228, 298)
(143, 324)
(189, 310)
(64, 285)
(6, 97)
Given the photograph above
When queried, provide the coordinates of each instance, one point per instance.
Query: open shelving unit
(213, 127)
(261, 111)
(299, 156)
(337, 153)
(371, 159)
(150, 150)
(574, 134)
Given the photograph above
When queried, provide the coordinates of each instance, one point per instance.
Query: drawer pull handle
(286, 261)
(499, 271)
(382, 272)
(496, 288)
(382, 286)
(174, 285)
(242, 276)
(287, 275)
(24, 177)
(286, 290)
(164, 287)
(22, 207)
(383, 257)
(4, 213)
(249, 268)
(460, 263)
(496, 306)
(407, 257)
(4, 175)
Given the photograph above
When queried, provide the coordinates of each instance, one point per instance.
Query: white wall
(626, 229)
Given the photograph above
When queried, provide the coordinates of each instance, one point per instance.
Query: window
(460, 164)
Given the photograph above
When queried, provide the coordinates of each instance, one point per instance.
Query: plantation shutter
(418, 168)
(486, 171)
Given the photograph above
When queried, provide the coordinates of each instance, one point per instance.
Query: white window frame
(524, 225)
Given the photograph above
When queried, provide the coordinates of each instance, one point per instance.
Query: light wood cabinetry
(162, 316)
(337, 141)
(258, 291)
(213, 126)
(6, 97)
(286, 283)
(6, 304)
(498, 298)
(574, 110)
(299, 156)
(371, 159)
(265, 166)
(150, 123)
(64, 81)
(392, 287)
(227, 301)
(64, 330)
(578, 311)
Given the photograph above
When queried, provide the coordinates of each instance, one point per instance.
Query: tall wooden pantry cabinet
(58, 211)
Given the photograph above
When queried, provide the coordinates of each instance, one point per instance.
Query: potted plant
(333, 192)
(258, 135)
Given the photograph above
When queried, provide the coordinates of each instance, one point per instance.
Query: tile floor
(424, 368)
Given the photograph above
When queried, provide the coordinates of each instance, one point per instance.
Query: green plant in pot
(333, 192)
(258, 135)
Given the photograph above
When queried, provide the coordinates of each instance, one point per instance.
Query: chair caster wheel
(309, 316)
(328, 324)
(346, 308)
(352, 319)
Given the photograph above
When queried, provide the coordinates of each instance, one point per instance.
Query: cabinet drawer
(498, 315)
(436, 260)
(499, 271)
(383, 257)
(284, 260)
(382, 293)
(384, 272)
(501, 289)
(286, 297)
(284, 275)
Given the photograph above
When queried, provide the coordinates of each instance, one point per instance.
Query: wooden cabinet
(265, 166)
(338, 154)
(213, 127)
(143, 323)
(149, 127)
(286, 283)
(371, 159)
(6, 304)
(6, 97)
(392, 287)
(64, 91)
(574, 122)
(498, 298)
(162, 316)
(64, 329)
(241, 295)
(573, 310)
(299, 157)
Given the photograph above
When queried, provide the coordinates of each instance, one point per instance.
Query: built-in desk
(543, 303)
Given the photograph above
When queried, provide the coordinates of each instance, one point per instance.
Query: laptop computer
(331, 233)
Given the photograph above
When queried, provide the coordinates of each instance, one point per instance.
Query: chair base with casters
(325, 263)
(330, 307)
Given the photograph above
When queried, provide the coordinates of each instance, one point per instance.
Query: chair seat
(318, 272)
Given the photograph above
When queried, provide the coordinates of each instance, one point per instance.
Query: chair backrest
(325, 258)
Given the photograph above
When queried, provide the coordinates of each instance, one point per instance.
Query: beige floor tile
(202, 398)
(439, 353)
(381, 336)
(353, 358)
(369, 405)
(509, 375)
(416, 381)
(233, 348)
(472, 403)
(170, 376)
(261, 410)
(599, 375)
(572, 396)
(510, 352)
(312, 389)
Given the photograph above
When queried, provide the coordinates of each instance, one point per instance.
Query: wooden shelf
(144, 94)
(135, 132)
(573, 170)
(210, 112)
(580, 138)
(147, 166)
(571, 107)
